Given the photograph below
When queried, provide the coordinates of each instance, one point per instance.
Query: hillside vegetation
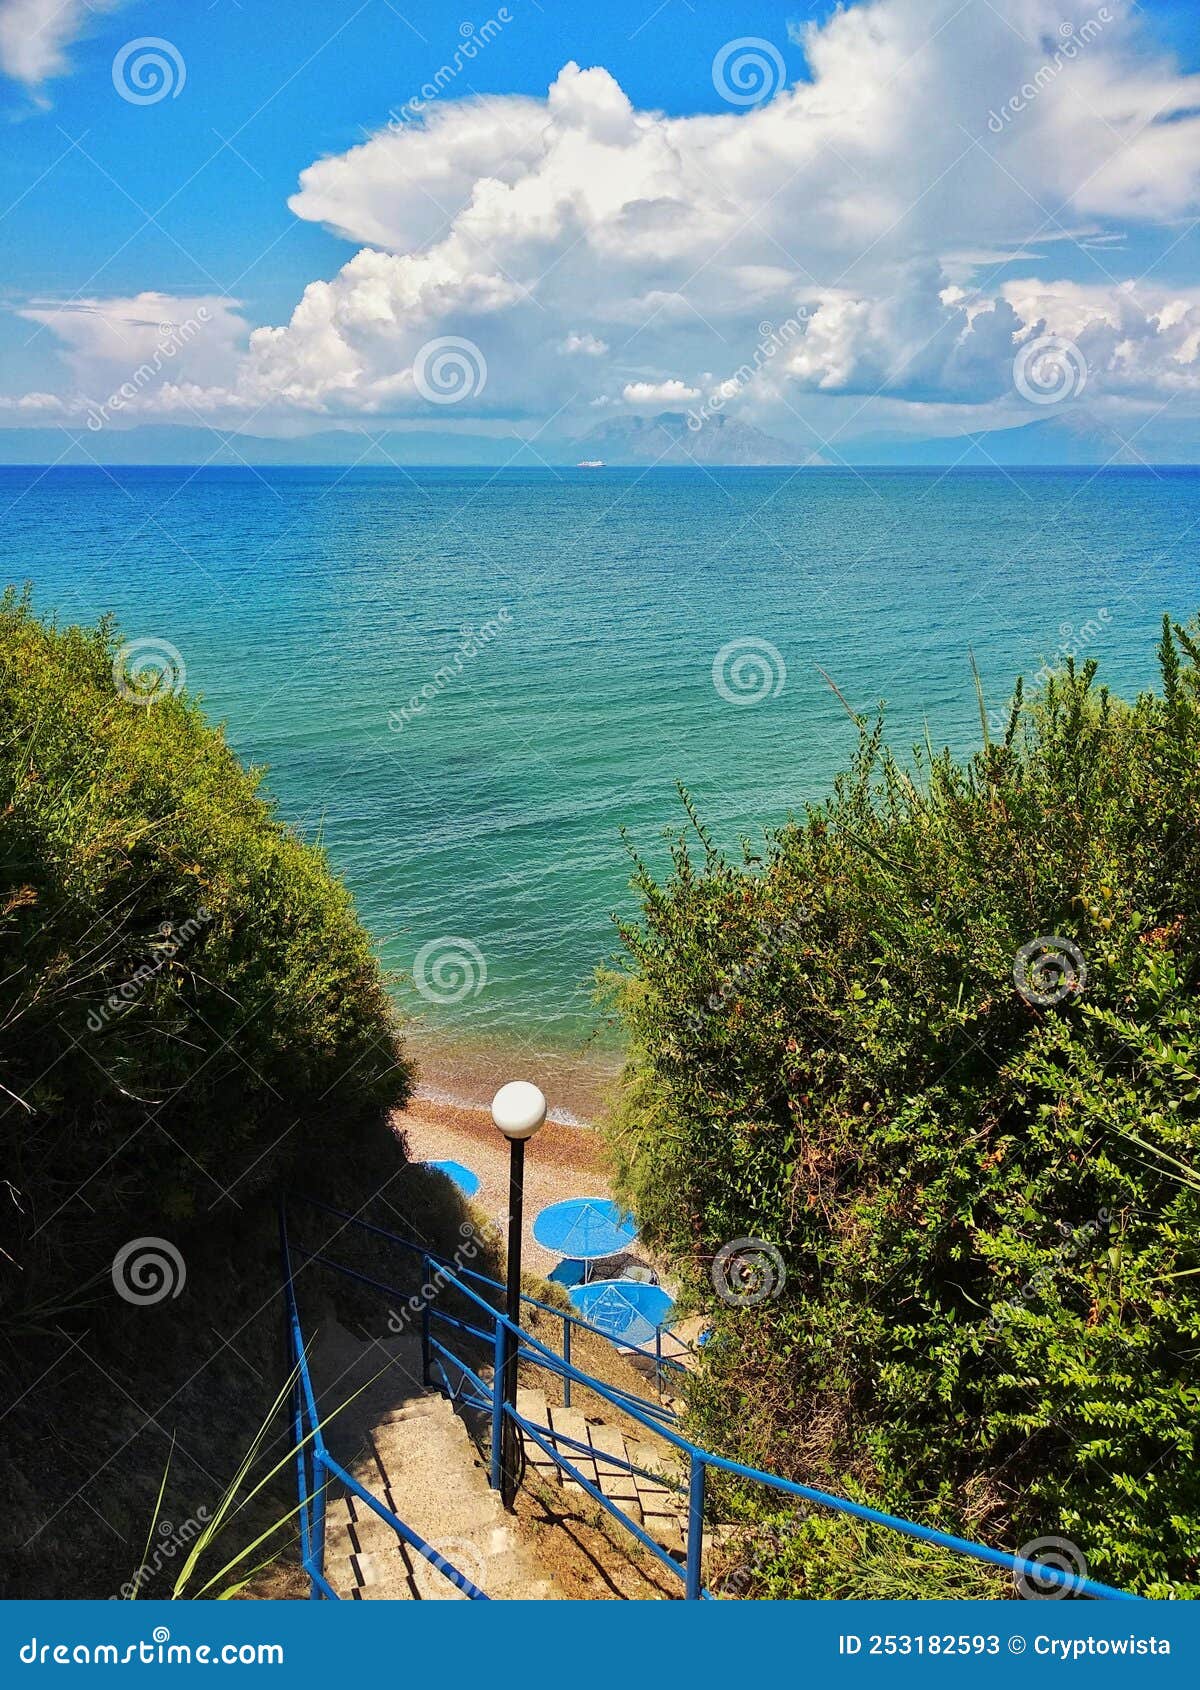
(187, 995)
(940, 1050)
(190, 1015)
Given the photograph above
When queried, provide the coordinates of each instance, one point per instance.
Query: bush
(188, 999)
(983, 1193)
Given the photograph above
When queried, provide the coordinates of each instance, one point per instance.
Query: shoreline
(437, 1097)
(464, 1073)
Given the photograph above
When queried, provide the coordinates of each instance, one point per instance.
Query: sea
(480, 690)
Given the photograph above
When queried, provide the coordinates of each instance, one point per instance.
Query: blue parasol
(625, 1310)
(466, 1181)
(584, 1228)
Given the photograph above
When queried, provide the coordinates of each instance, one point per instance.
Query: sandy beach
(562, 1161)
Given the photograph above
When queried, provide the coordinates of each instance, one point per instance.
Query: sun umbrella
(625, 1310)
(464, 1178)
(585, 1228)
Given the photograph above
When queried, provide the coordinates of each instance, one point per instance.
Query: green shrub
(815, 1555)
(986, 1205)
(188, 1000)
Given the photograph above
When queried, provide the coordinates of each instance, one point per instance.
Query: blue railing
(570, 1322)
(316, 1468)
(494, 1331)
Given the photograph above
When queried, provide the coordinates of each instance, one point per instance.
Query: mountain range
(1077, 437)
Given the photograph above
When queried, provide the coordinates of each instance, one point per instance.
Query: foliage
(834, 1557)
(986, 1207)
(188, 1000)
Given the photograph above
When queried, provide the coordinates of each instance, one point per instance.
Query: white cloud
(658, 392)
(34, 35)
(586, 246)
(583, 342)
(158, 354)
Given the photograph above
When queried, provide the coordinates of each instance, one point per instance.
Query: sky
(878, 220)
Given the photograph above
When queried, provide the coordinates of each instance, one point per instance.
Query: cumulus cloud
(157, 354)
(658, 392)
(589, 344)
(879, 209)
(34, 35)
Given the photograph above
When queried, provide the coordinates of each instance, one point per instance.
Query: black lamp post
(518, 1109)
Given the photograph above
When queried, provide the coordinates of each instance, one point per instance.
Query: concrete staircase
(409, 1448)
(652, 1498)
(423, 1465)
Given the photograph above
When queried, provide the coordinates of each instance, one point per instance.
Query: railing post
(695, 1536)
(497, 1471)
(320, 1481)
(567, 1359)
(658, 1360)
(426, 1356)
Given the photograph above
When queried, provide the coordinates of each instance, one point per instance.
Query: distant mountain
(1078, 437)
(168, 444)
(1075, 435)
(667, 439)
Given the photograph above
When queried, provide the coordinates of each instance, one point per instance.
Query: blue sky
(285, 83)
(864, 199)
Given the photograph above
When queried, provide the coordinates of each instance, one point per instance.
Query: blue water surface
(473, 788)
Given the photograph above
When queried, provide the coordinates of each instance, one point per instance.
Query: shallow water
(480, 831)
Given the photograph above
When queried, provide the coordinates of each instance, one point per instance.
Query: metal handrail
(699, 1460)
(660, 1361)
(310, 1448)
(429, 1312)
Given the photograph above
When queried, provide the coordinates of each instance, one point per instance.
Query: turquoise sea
(471, 786)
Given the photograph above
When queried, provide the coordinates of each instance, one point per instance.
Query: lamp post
(518, 1109)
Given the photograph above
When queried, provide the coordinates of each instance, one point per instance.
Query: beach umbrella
(584, 1228)
(625, 1310)
(464, 1178)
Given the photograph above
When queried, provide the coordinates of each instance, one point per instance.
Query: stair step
(664, 1528)
(571, 1423)
(617, 1484)
(654, 1457)
(432, 1407)
(532, 1404)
